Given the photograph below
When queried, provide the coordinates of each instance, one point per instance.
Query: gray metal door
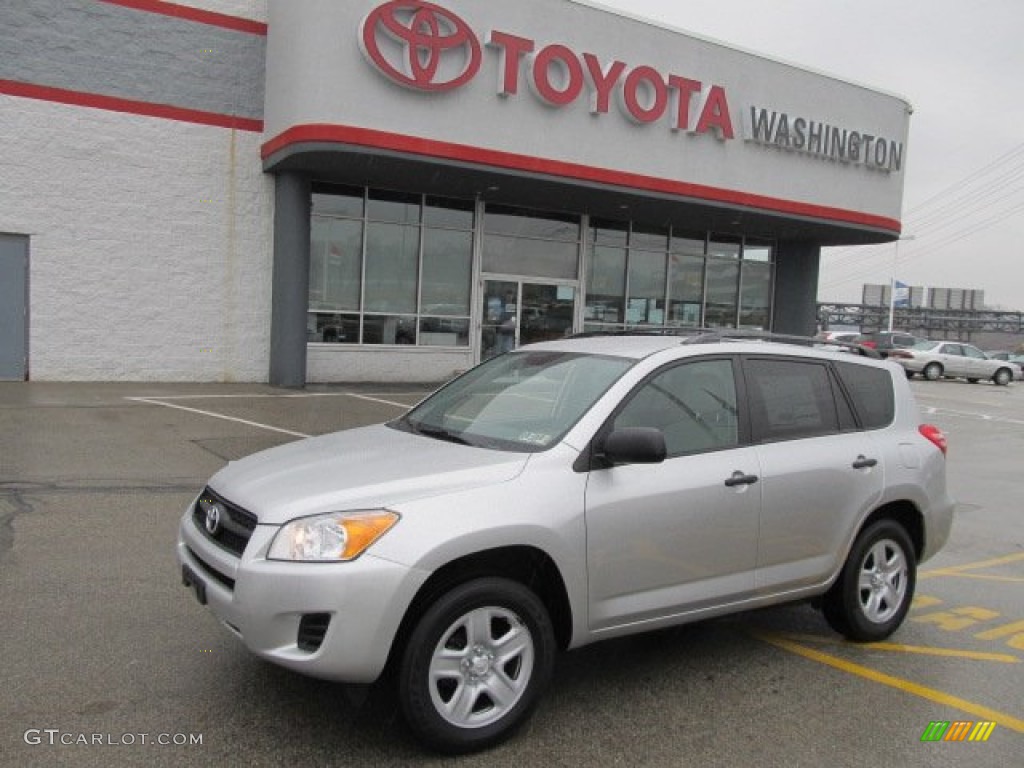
(13, 307)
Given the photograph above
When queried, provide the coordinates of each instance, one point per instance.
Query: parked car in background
(565, 493)
(886, 341)
(838, 335)
(953, 359)
(1010, 357)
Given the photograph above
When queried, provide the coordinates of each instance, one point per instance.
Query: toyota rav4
(565, 493)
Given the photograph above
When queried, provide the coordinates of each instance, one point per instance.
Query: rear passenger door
(820, 473)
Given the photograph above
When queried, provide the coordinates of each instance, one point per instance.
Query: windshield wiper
(440, 433)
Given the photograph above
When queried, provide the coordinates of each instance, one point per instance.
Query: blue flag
(901, 294)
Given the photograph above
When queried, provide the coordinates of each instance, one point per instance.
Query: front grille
(225, 524)
(312, 629)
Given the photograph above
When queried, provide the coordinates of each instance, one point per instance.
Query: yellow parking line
(956, 653)
(924, 650)
(990, 577)
(931, 694)
(956, 570)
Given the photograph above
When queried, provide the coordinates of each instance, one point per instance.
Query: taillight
(901, 353)
(935, 436)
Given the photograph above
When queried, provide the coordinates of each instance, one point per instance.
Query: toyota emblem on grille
(212, 522)
(420, 45)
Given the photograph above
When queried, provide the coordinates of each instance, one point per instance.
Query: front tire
(476, 664)
(872, 595)
(1002, 377)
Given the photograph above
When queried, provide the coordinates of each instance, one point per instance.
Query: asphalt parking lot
(106, 656)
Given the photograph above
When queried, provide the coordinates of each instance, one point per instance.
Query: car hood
(363, 468)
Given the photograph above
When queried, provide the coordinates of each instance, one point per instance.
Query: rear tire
(932, 372)
(874, 590)
(476, 665)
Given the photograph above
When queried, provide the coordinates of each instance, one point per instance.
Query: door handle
(739, 478)
(863, 462)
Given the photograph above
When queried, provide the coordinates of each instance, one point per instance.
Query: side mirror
(634, 445)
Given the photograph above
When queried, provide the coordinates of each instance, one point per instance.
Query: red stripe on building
(236, 23)
(129, 106)
(364, 137)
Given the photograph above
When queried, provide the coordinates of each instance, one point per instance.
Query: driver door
(665, 539)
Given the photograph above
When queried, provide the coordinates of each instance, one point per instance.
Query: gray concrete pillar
(290, 296)
(795, 308)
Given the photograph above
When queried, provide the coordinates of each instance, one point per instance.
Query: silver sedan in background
(953, 359)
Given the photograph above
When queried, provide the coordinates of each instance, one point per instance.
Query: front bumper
(271, 605)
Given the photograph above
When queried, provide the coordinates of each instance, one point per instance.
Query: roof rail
(692, 335)
(709, 336)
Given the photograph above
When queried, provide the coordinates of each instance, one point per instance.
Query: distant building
(924, 297)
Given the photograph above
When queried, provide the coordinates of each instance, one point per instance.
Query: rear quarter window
(871, 391)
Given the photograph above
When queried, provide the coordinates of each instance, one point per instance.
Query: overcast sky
(961, 65)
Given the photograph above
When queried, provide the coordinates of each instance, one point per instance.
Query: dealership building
(303, 191)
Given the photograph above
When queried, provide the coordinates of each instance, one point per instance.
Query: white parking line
(211, 414)
(933, 410)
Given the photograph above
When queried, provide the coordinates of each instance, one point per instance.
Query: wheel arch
(907, 515)
(527, 565)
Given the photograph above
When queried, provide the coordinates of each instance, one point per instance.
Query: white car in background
(953, 359)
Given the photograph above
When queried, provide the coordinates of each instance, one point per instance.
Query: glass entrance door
(517, 312)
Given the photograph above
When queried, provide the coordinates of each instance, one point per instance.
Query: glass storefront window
(446, 272)
(521, 222)
(686, 289)
(392, 256)
(650, 238)
(336, 256)
(606, 285)
(530, 257)
(332, 328)
(398, 207)
(757, 250)
(389, 329)
(721, 297)
(646, 302)
(395, 268)
(724, 247)
(448, 214)
(610, 232)
(337, 200)
(755, 294)
(365, 271)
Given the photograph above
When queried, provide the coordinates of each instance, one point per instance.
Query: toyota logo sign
(420, 45)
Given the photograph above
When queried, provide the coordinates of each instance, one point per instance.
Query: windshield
(521, 401)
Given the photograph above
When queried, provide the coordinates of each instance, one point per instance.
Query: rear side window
(790, 399)
(871, 392)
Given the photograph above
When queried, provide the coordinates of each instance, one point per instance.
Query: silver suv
(565, 493)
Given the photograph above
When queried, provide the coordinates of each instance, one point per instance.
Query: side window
(952, 349)
(973, 352)
(871, 391)
(790, 399)
(693, 404)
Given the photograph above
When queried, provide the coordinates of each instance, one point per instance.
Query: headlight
(331, 537)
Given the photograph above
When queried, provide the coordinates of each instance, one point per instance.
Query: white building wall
(150, 250)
